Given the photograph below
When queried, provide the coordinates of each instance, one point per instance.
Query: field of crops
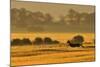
(47, 54)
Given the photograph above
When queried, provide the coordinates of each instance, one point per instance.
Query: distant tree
(38, 41)
(16, 42)
(71, 15)
(76, 41)
(48, 18)
(26, 41)
(62, 20)
(56, 42)
(79, 38)
(48, 40)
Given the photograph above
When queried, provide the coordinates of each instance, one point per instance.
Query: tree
(48, 40)
(76, 41)
(71, 15)
(48, 18)
(38, 41)
(55, 42)
(16, 42)
(26, 41)
(79, 38)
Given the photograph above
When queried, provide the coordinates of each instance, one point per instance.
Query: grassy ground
(33, 55)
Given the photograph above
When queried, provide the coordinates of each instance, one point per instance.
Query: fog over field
(46, 17)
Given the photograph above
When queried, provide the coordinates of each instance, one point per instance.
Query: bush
(56, 42)
(16, 42)
(79, 39)
(26, 41)
(38, 41)
(48, 40)
(76, 41)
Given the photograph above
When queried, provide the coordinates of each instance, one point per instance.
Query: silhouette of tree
(38, 41)
(14, 16)
(79, 38)
(23, 20)
(71, 15)
(74, 16)
(78, 18)
(26, 41)
(56, 42)
(48, 40)
(76, 41)
(48, 18)
(16, 42)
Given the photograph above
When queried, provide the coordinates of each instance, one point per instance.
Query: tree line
(76, 41)
(72, 16)
(37, 41)
(38, 21)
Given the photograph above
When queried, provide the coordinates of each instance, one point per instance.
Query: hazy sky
(54, 9)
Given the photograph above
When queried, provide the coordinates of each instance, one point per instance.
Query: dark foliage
(16, 42)
(48, 40)
(24, 41)
(38, 41)
(56, 42)
(76, 41)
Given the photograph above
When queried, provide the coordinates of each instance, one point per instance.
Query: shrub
(26, 41)
(76, 41)
(16, 42)
(38, 41)
(48, 40)
(56, 42)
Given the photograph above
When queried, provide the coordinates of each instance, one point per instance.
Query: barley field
(50, 54)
